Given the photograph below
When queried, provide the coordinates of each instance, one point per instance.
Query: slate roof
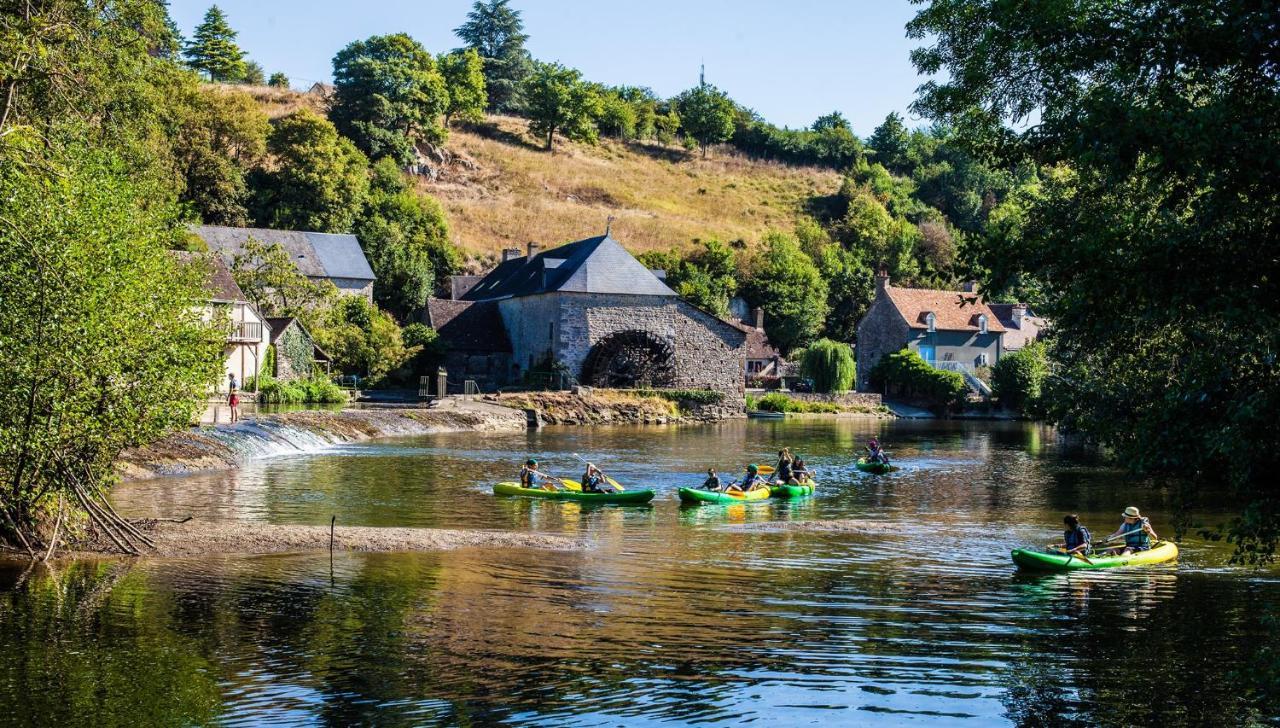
(317, 255)
(594, 265)
(221, 284)
(952, 310)
(469, 325)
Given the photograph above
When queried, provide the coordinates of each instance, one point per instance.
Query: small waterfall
(265, 438)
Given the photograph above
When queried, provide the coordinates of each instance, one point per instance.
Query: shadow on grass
(493, 131)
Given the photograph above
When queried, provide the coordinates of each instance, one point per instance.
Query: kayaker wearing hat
(1137, 532)
(751, 481)
(531, 478)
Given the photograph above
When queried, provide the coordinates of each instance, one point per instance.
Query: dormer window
(931, 321)
(982, 324)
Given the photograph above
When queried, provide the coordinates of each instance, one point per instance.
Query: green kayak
(877, 468)
(629, 496)
(1042, 560)
(694, 495)
(793, 491)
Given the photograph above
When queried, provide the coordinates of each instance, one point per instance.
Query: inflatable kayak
(629, 496)
(877, 468)
(793, 491)
(1044, 560)
(694, 495)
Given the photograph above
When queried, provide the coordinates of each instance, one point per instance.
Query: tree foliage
(557, 101)
(388, 96)
(889, 143)
(278, 80)
(706, 115)
(463, 72)
(905, 374)
(362, 339)
(220, 136)
(269, 277)
(494, 30)
(830, 365)
(213, 48)
(319, 181)
(791, 290)
(1156, 245)
(1018, 379)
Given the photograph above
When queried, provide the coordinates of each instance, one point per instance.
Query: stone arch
(631, 358)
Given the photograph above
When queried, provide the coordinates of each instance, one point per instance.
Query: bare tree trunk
(53, 542)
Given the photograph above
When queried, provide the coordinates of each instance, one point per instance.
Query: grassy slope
(501, 189)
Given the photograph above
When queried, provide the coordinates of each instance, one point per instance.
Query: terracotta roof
(221, 285)
(952, 310)
(468, 325)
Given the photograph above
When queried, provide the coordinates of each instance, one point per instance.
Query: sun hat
(1132, 512)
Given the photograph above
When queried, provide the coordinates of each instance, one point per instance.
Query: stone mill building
(590, 310)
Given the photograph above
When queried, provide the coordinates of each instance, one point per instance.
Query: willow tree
(830, 365)
(104, 343)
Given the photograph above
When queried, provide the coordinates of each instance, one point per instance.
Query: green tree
(617, 117)
(253, 74)
(1156, 248)
(102, 347)
(707, 277)
(850, 290)
(220, 137)
(706, 115)
(495, 32)
(362, 339)
(319, 180)
(269, 277)
(1018, 378)
(278, 80)
(406, 238)
(388, 95)
(830, 365)
(889, 143)
(791, 290)
(556, 100)
(213, 48)
(463, 73)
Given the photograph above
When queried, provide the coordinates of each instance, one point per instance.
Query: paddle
(607, 479)
(1069, 554)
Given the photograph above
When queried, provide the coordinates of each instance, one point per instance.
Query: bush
(1018, 378)
(905, 374)
(778, 402)
(696, 396)
(830, 365)
(298, 391)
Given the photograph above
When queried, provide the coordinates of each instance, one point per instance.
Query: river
(717, 615)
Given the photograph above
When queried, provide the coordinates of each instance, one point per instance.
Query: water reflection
(675, 615)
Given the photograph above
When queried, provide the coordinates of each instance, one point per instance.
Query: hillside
(501, 189)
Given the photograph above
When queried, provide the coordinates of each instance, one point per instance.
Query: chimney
(533, 249)
(882, 282)
(971, 287)
(510, 254)
(758, 315)
(1018, 312)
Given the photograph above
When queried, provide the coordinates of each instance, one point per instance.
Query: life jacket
(1078, 536)
(528, 478)
(1135, 535)
(784, 470)
(592, 483)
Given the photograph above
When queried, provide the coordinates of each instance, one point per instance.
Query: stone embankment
(224, 447)
(604, 407)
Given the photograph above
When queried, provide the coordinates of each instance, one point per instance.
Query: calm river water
(675, 616)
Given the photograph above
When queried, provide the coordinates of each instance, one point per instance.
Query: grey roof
(469, 325)
(317, 255)
(594, 265)
(221, 285)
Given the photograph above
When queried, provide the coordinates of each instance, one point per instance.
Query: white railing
(246, 331)
(969, 375)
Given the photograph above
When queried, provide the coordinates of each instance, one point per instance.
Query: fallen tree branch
(53, 542)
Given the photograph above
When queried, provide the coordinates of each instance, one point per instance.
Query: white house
(249, 334)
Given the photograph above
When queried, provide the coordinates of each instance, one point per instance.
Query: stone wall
(534, 326)
(845, 399)
(351, 286)
(882, 331)
(294, 354)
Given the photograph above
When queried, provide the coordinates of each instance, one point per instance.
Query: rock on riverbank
(221, 447)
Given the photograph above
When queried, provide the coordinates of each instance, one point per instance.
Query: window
(982, 359)
(982, 324)
(931, 321)
(755, 366)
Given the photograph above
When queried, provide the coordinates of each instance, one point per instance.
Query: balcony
(245, 332)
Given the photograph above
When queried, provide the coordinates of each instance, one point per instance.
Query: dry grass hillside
(501, 189)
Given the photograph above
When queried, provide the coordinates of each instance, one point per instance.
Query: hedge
(299, 391)
(904, 373)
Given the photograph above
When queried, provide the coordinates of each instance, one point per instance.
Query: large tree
(791, 290)
(388, 95)
(706, 115)
(889, 143)
(1155, 236)
(463, 73)
(558, 101)
(318, 181)
(221, 136)
(495, 32)
(213, 48)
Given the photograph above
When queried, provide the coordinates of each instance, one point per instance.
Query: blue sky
(790, 60)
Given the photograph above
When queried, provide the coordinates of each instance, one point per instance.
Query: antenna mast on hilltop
(702, 75)
(608, 225)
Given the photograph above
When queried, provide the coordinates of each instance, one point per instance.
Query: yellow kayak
(1043, 560)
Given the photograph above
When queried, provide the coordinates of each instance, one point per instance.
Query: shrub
(904, 373)
(778, 402)
(299, 391)
(1018, 378)
(830, 365)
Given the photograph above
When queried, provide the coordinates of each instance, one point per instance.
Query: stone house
(296, 354)
(955, 330)
(335, 258)
(248, 333)
(592, 310)
(1021, 325)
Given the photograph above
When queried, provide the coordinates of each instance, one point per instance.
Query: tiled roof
(594, 265)
(221, 285)
(279, 325)
(952, 310)
(468, 325)
(317, 255)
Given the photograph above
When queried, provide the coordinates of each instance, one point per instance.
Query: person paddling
(801, 471)
(593, 481)
(1076, 539)
(531, 478)
(876, 454)
(1136, 531)
(752, 481)
(713, 481)
(783, 471)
